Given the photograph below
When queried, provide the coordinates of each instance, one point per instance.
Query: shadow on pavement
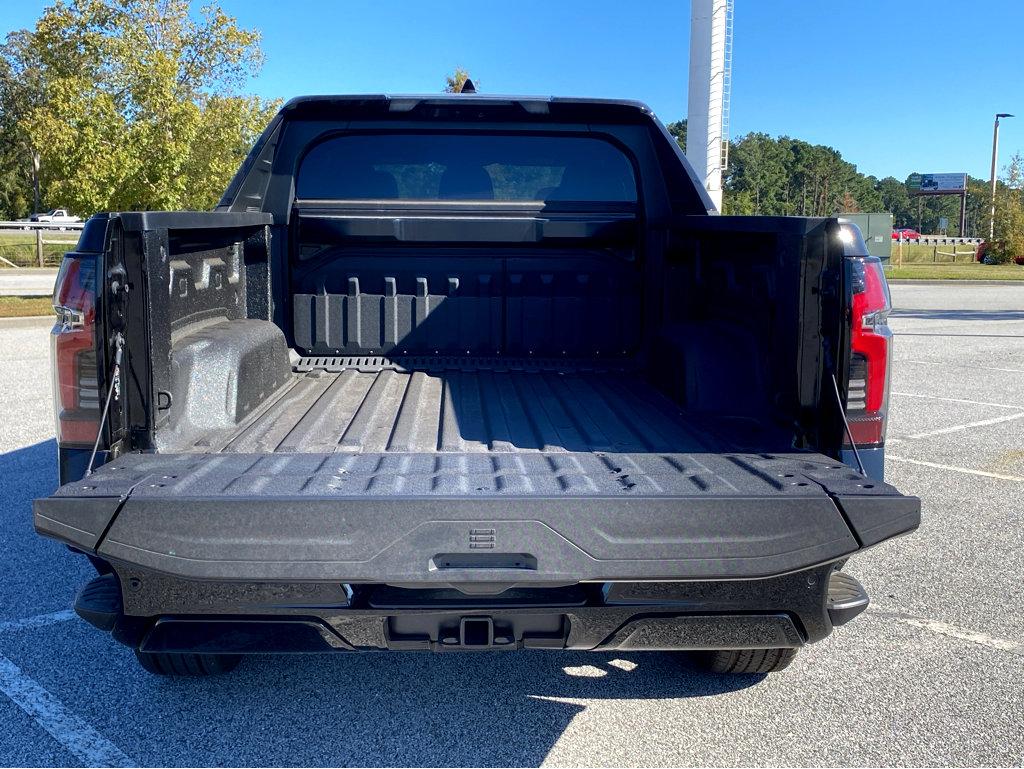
(351, 709)
(39, 575)
(416, 708)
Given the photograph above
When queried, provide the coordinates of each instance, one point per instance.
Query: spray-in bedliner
(371, 470)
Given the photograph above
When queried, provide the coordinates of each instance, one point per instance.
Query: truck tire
(175, 664)
(745, 661)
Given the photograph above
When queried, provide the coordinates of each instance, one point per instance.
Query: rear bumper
(156, 613)
(247, 553)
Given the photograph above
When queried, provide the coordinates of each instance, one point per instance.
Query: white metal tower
(707, 118)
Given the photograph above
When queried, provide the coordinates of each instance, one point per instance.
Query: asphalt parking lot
(933, 673)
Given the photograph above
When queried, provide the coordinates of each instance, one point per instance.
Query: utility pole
(995, 153)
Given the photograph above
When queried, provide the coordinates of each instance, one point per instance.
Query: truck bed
(453, 471)
(436, 426)
(427, 406)
(497, 426)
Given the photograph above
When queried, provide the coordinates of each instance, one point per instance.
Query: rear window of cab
(437, 166)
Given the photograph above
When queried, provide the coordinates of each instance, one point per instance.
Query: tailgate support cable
(115, 381)
(846, 424)
(839, 404)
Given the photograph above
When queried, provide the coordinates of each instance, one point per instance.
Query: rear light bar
(867, 398)
(74, 349)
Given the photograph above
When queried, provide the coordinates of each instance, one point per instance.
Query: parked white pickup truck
(56, 216)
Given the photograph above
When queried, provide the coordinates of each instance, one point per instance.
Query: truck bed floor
(346, 427)
(373, 405)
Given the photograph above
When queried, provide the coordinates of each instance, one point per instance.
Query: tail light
(74, 349)
(867, 400)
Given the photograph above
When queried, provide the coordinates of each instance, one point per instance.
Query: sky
(897, 86)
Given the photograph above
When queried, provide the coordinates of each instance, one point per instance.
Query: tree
(896, 200)
(1008, 241)
(849, 204)
(453, 82)
(782, 176)
(17, 90)
(135, 104)
(785, 176)
(978, 199)
(678, 131)
(758, 170)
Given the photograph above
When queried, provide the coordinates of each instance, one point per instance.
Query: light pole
(995, 152)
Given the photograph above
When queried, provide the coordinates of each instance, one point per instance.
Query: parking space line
(73, 734)
(946, 364)
(967, 470)
(952, 631)
(947, 335)
(40, 620)
(956, 400)
(968, 426)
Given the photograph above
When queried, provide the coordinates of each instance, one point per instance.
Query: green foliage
(134, 104)
(897, 201)
(789, 177)
(1008, 243)
(453, 82)
(18, 247)
(973, 271)
(16, 98)
(678, 131)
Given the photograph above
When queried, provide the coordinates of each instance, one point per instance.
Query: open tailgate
(548, 519)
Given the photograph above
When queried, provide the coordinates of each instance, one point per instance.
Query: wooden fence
(36, 237)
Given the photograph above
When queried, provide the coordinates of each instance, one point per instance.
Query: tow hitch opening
(476, 631)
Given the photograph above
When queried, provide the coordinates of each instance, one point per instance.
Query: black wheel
(174, 664)
(745, 661)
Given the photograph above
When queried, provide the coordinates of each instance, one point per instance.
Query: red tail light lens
(74, 351)
(867, 400)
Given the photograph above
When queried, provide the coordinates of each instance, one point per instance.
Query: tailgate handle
(443, 561)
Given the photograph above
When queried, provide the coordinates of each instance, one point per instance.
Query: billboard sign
(937, 184)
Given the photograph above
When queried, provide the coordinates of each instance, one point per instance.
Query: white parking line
(937, 466)
(81, 740)
(40, 620)
(968, 426)
(955, 400)
(944, 628)
(964, 365)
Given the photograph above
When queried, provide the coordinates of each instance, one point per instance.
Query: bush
(1001, 251)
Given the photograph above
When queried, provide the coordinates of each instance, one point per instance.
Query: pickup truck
(56, 216)
(469, 373)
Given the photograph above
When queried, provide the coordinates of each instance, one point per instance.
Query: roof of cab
(377, 105)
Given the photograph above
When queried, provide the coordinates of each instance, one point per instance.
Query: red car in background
(905, 233)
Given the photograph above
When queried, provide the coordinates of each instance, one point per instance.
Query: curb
(32, 321)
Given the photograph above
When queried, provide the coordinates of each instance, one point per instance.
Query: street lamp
(995, 152)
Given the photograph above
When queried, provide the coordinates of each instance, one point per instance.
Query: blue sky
(896, 86)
